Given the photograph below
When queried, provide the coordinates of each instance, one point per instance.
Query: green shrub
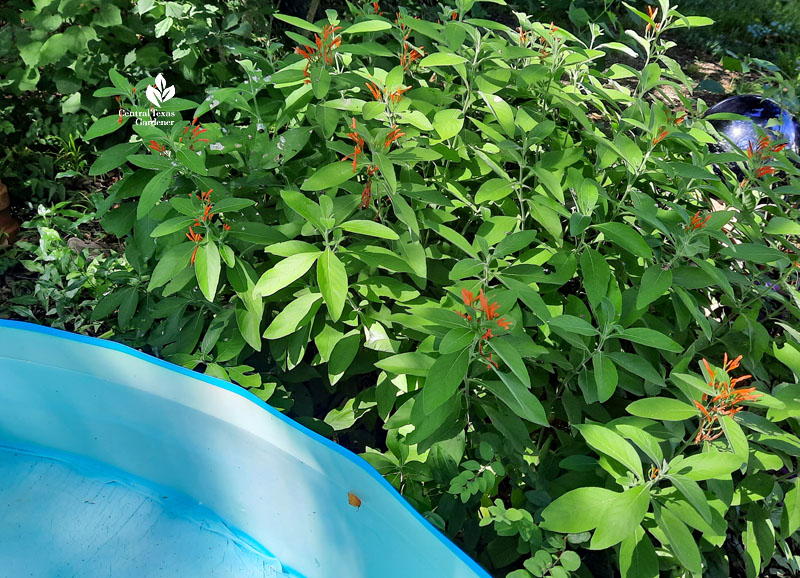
(52, 54)
(471, 252)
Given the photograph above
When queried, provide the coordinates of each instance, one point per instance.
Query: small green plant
(62, 281)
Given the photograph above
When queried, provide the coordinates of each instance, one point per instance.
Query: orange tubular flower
(778, 148)
(366, 195)
(196, 238)
(698, 223)
(468, 297)
(197, 130)
(393, 136)
(376, 93)
(397, 95)
(489, 310)
(489, 314)
(661, 136)
(357, 149)
(322, 51)
(765, 171)
(651, 12)
(725, 402)
(156, 147)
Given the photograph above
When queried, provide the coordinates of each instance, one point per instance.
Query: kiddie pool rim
(301, 429)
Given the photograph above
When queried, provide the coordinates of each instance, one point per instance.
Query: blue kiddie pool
(114, 463)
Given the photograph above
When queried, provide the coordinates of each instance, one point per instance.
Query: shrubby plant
(497, 262)
(52, 54)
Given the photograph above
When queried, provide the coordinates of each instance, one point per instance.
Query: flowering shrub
(469, 251)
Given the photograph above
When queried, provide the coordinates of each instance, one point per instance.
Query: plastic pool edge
(349, 455)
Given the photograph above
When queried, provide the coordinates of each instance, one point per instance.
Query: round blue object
(784, 126)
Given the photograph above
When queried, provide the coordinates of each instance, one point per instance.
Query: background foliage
(490, 256)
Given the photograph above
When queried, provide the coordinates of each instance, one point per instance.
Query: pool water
(66, 516)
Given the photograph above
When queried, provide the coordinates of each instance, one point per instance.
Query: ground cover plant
(492, 260)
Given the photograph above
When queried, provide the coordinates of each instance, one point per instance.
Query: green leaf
(171, 226)
(651, 338)
(637, 556)
(442, 59)
(107, 305)
(456, 339)
(343, 354)
(592, 503)
(284, 273)
(293, 315)
(154, 162)
(680, 540)
(153, 191)
(448, 123)
(53, 49)
(299, 23)
(753, 252)
(790, 516)
(646, 442)
(444, 377)
(192, 161)
(782, 226)
(127, 306)
(232, 205)
(693, 494)
(386, 169)
(625, 512)
(331, 175)
(707, 465)
(453, 237)
(493, 190)
(502, 112)
(172, 262)
(511, 358)
(207, 267)
(369, 228)
(518, 398)
(692, 21)
(626, 237)
(595, 274)
(663, 408)
(636, 365)
(332, 280)
(304, 207)
(113, 158)
(105, 125)
(655, 282)
(570, 560)
(736, 437)
(572, 324)
(412, 363)
(367, 26)
(605, 441)
(605, 376)
(249, 324)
